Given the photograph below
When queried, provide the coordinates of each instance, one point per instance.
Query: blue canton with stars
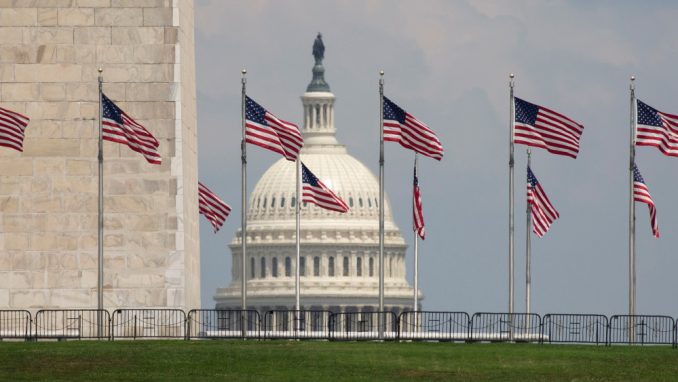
(636, 175)
(308, 177)
(531, 179)
(525, 112)
(110, 110)
(647, 115)
(393, 112)
(254, 112)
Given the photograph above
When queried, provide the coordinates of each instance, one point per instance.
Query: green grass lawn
(330, 361)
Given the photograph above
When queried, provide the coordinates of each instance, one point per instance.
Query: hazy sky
(447, 63)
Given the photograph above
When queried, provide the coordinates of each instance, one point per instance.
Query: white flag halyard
(212, 207)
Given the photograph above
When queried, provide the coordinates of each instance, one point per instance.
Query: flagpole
(632, 214)
(100, 224)
(416, 246)
(243, 211)
(511, 219)
(297, 276)
(381, 200)
(528, 246)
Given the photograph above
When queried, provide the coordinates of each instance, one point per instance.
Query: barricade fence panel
(223, 323)
(439, 326)
(72, 324)
(312, 324)
(363, 326)
(148, 323)
(15, 324)
(574, 328)
(641, 329)
(519, 327)
(293, 324)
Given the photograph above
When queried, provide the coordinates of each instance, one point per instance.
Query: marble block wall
(49, 54)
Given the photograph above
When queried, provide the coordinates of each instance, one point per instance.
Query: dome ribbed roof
(271, 200)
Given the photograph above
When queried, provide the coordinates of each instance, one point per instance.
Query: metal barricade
(64, 324)
(292, 324)
(575, 328)
(498, 327)
(436, 326)
(216, 323)
(641, 329)
(15, 324)
(148, 323)
(363, 326)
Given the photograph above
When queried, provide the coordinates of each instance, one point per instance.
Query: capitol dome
(339, 251)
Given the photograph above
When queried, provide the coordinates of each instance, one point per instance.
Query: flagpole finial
(381, 73)
(511, 75)
(243, 71)
(633, 78)
(100, 70)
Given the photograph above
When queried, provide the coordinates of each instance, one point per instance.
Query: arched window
(273, 202)
(274, 267)
(293, 203)
(252, 270)
(376, 203)
(359, 266)
(330, 267)
(302, 266)
(369, 202)
(316, 266)
(390, 267)
(288, 267)
(264, 202)
(305, 204)
(371, 266)
(345, 266)
(282, 202)
(258, 202)
(360, 202)
(263, 267)
(350, 201)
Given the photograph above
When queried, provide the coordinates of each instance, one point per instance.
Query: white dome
(339, 251)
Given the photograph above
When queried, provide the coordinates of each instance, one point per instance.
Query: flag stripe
(212, 207)
(314, 191)
(540, 127)
(12, 127)
(641, 193)
(417, 209)
(542, 212)
(121, 128)
(402, 127)
(267, 131)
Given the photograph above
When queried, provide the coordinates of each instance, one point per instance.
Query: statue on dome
(318, 49)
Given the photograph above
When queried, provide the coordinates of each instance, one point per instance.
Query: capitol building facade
(339, 264)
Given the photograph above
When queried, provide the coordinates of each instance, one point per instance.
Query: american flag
(121, 128)
(417, 209)
(542, 211)
(657, 129)
(540, 127)
(213, 208)
(12, 127)
(642, 194)
(268, 131)
(400, 126)
(314, 191)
